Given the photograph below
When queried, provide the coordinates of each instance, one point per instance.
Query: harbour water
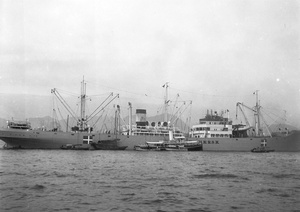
(65, 180)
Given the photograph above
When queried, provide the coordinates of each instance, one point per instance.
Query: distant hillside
(3, 123)
(282, 127)
(21, 106)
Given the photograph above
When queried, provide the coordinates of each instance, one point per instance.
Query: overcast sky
(213, 52)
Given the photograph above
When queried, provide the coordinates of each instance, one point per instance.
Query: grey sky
(213, 52)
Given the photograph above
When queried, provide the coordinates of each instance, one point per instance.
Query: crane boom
(64, 103)
(238, 105)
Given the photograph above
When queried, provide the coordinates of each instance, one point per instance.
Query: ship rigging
(260, 126)
(83, 120)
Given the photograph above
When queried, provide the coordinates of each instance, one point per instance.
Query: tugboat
(151, 146)
(262, 148)
(174, 144)
(112, 144)
(75, 147)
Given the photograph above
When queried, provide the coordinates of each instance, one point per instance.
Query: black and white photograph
(139, 105)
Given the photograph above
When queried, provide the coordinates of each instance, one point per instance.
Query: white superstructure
(212, 126)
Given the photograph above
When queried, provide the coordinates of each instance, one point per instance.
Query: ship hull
(32, 139)
(288, 143)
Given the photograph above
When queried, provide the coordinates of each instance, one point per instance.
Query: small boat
(100, 145)
(75, 147)
(174, 144)
(181, 144)
(262, 148)
(184, 147)
(140, 147)
(6, 146)
(174, 147)
(110, 144)
(151, 146)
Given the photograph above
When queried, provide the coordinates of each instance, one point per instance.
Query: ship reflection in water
(56, 180)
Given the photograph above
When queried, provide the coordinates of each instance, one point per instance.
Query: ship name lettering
(210, 142)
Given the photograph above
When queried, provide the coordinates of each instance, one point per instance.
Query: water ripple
(41, 180)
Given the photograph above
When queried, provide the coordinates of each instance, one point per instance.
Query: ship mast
(82, 108)
(166, 102)
(83, 119)
(256, 115)
(117, 120)
(130, 118)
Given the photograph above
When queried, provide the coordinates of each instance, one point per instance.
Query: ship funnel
(141, 117)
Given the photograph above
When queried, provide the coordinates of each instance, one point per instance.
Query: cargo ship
(214, 132)
(21, 135)
(218, 133)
